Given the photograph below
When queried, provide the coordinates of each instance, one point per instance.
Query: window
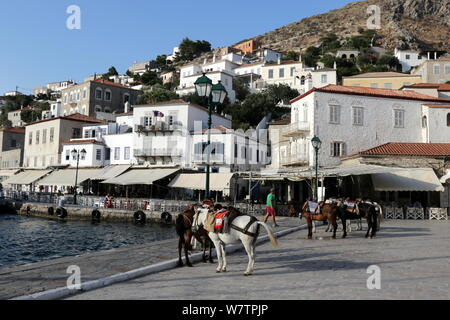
(388, 85)
(107, 154)
(235, 150)
(116, 153)
(407, 57)
(78, 96)
(424, 121)
(52, 134)
(13, 143)
(30, 138)
(98, 94)
(108, 95)
(447, 69)
(147, 121)
(76, 133)
(84, 93)
(170, 120)
(399, 118)
(281, 73)
(127, 153)
(98, 155)
(67, 155)
(337, 149)
(358, 116)
(324, 78)
(126, 98)
(271, 74)
(302, 80)
(437, 69)
(335, 114)
(292, 71)
(374, 85)
(448, 119)
(65, 98)
(44, 136)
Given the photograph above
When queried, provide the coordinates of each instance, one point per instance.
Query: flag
(158, 114)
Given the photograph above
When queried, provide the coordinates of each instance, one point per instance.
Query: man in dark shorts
(271, 207)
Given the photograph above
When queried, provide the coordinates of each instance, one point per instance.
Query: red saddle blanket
(220, 216)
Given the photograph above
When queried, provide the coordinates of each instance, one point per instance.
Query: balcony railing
(158, 127)
(214, 158)
(297, 128)
(169, 152)
(294, 158)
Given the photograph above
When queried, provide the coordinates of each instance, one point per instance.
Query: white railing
(167, 152)
(296, 128)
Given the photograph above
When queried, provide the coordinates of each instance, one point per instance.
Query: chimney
(279, 60)
(214, 58)
(204, 61)
(308, 83)
(335, 66)
(127, 107)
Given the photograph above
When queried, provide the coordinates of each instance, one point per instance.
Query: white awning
(197, 181)
(445, 178)
(411, 179)
(111, 172)
(8, 173)
(66, 177)
(27, 177)
(141, 176)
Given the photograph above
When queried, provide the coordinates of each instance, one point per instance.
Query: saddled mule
(326, 212)
(243, 228)
(183, 226)
(369, 210)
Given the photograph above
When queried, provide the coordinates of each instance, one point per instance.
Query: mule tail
(272, 237)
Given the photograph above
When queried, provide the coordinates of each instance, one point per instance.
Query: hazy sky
(37, 47)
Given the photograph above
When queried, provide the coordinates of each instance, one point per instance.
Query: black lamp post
(77, 154)
(316, 143)
(216, 94)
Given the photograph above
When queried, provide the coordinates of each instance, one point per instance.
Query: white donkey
(244, 229)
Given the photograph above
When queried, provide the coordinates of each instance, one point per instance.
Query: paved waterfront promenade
(46, 275)
(414, 257)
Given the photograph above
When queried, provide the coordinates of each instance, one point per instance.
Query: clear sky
(37, 47)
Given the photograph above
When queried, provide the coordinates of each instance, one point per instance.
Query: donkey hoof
(218, 271)
(247, 274)
(180, 264)
(224, 270)
(189, 265)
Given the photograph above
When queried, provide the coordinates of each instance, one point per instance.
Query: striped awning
(27, 177)
(66, 177)
(197, 181)
(141, 176)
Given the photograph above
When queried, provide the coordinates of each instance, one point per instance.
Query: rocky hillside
(414, 24)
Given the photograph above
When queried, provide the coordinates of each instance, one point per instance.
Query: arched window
(98, 109)
(352, 56)
(448, 119)
(344, 56)
(302, 80)
(98, 94)
(424, 122)
(126, 98)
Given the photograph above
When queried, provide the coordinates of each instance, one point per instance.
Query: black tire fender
(166, 217)
(140, 217)
(61, 213)
(96, 215)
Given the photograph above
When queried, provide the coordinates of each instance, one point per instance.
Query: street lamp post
(316, 143)
(77, 154)
(215, 94)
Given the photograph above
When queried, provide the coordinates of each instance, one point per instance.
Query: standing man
(271, 207)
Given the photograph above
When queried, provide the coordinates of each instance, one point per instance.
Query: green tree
(281, 93)
(241, 88)
(328, 60)
(157, 95)
(311, 56)
(291, 55)
(111, 72)
(189, 50)
(149, 78)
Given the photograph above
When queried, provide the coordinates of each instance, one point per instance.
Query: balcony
(299, 159)
(214, 158)
(296, 129)
(169, 152)
(159, 127)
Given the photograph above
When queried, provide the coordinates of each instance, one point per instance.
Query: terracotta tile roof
(281, 122)
(14, 130)
(72, 117)
(374, 92)
(84, 141)
(110, 83)
(381, 75)
(438, 86)
(410, 149)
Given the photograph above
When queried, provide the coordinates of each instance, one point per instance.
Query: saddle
(220, 221)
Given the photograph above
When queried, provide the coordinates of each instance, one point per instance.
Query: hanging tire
(166, 217)
(61, 213)
(139, 217)
(96, 215)
(51, 211)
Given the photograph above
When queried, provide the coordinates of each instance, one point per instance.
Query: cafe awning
(27, 177)
(141, 176)
(8, 173)
(411, 179)
(66, 177)
(197, 181)
(111, 172)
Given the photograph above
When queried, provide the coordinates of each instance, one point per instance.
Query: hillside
(414, 24)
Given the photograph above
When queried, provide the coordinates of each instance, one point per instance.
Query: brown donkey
(327, 212)
(183, 226)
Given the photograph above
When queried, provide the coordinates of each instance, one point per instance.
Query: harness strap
(245, 230)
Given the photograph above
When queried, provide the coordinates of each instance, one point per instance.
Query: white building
(351, 119)
(409, 58)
